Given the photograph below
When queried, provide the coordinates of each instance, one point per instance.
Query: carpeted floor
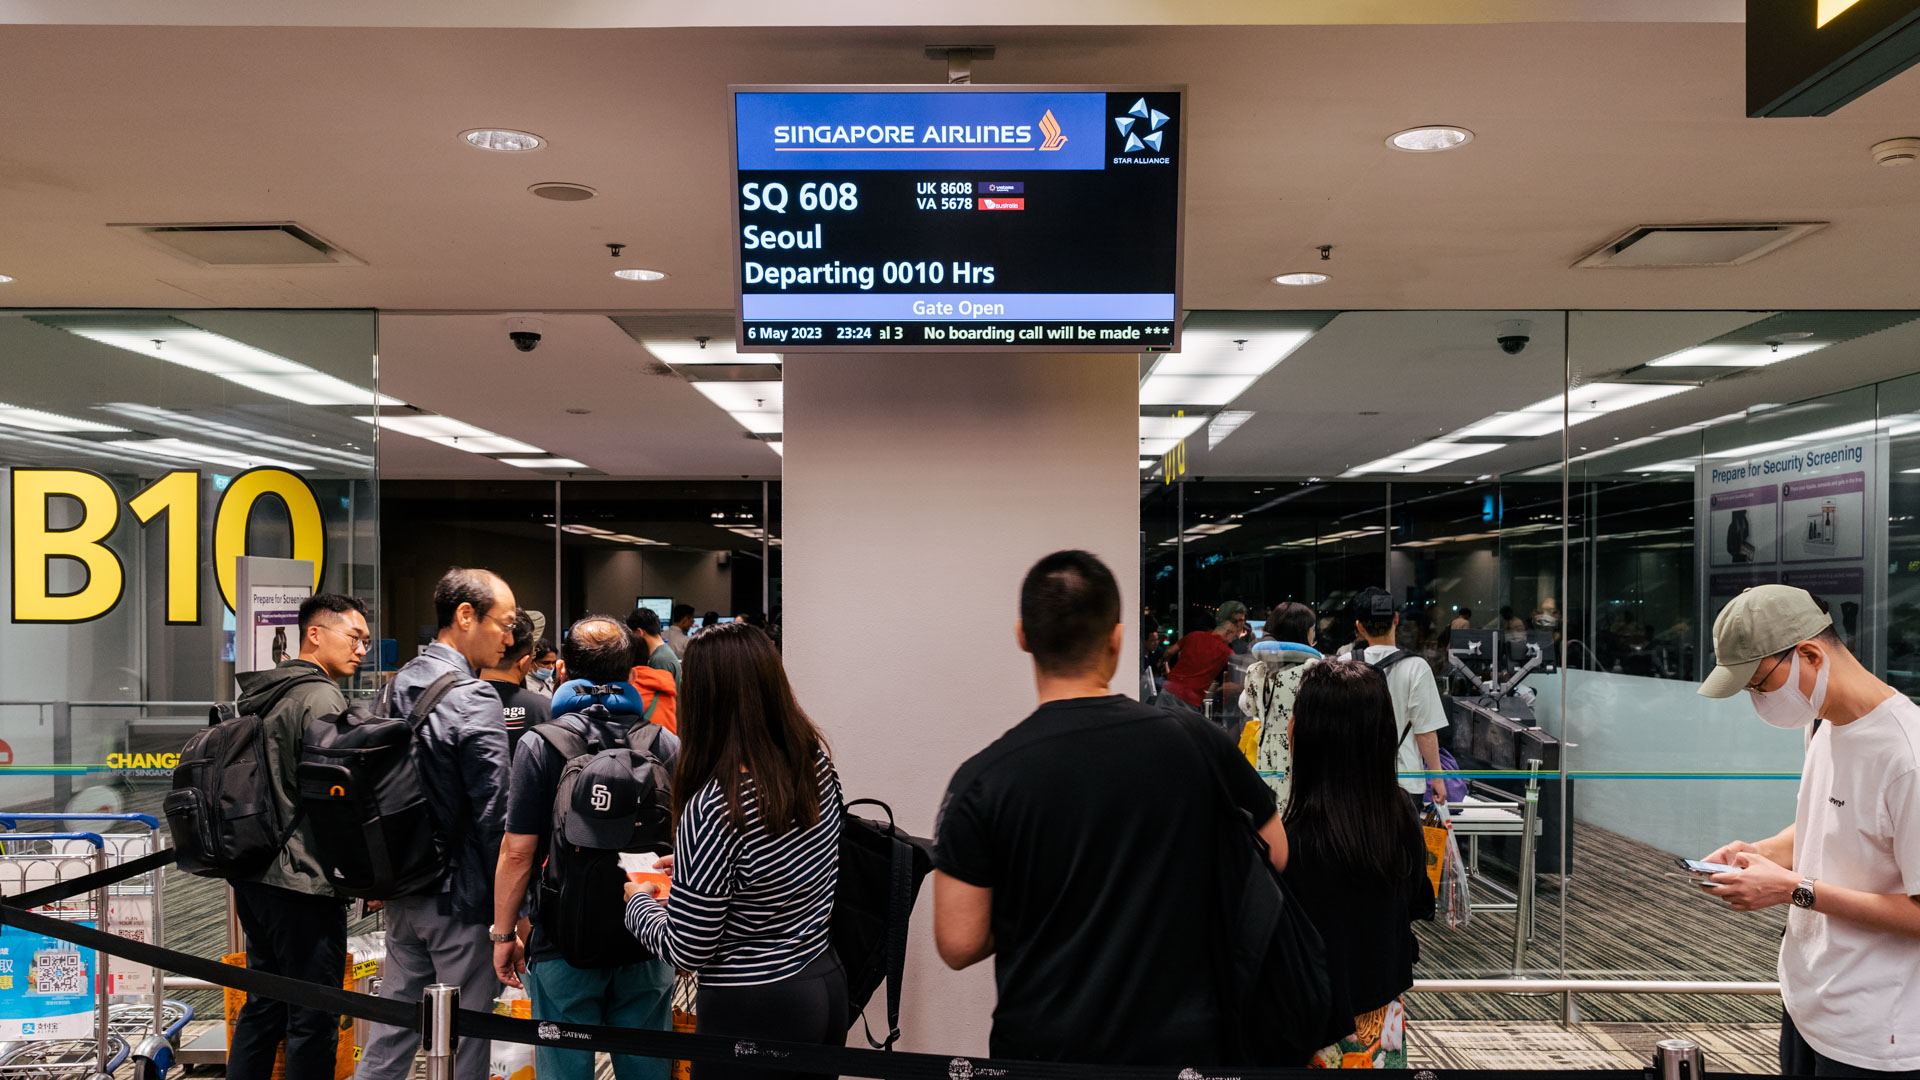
(1630, 914)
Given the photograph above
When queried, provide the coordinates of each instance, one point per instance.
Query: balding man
(440, 935)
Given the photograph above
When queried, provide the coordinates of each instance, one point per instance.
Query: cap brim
(611, 834)
(1727, 680)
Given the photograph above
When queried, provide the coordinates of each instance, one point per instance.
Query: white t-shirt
(1416, 698)
(1854, 992)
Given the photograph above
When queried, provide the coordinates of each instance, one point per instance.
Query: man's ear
(1118, 638)
(559, 672)
(1020, 635)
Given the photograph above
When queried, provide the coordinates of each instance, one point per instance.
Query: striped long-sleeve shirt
(746, 908)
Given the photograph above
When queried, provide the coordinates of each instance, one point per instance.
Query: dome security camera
(524, 333)
(1512, 335)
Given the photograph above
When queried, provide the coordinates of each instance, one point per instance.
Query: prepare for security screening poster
(270, 592)
(1812, 516)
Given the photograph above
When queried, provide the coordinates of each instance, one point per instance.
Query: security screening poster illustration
(1811, 515)
(46, 987)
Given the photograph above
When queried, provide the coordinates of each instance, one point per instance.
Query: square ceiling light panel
(254, 245)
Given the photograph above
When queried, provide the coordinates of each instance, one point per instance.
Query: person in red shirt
(1198, 658)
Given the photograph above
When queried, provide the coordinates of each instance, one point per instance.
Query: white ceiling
(1584, 127)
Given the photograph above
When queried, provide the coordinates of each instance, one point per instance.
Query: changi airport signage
(957, 218)
(175, 497)
(1810, 57)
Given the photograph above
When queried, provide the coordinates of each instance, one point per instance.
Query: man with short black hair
(461, 751)
(1043, 836)
(1850, 862)
(650, 645)
(1418, 712)
(680, 630)
(595, 703)
(295, 924)
(520, 707)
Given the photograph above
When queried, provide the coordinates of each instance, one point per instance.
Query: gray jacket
(462, 750)
(303, 692)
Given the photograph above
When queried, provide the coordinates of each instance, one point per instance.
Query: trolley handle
(93, 838)
(8, 820)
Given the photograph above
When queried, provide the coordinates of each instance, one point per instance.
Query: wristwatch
(1803, 893)
(502, 939)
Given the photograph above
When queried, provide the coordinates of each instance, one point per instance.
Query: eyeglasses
(506, 626)
(1762, 680)
(361, 642)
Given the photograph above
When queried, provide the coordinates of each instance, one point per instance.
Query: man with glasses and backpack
(460, 749)
(591, 784)
(295, 923)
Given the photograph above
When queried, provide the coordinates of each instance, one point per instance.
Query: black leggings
(808, 1007)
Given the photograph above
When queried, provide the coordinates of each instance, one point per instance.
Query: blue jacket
(462, 750)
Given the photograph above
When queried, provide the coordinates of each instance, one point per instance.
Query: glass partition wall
(1593, 499)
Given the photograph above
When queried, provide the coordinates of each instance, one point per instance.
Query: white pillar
(917, 492)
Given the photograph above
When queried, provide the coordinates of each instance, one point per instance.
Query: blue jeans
(633, 996)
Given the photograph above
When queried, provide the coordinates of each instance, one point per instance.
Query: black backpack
(1270, 976)
(881, 869)
(221, 811)
(580, 906)
(375, 833)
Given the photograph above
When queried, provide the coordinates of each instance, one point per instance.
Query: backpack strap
(646, 714)
(562, 738)
(429, 698)
(899, 910)
(645, 737)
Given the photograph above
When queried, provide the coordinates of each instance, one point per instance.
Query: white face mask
(1787, 707)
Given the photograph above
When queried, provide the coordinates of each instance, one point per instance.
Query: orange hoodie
(657, 686)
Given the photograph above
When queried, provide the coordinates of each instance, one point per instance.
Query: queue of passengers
(1041, 835)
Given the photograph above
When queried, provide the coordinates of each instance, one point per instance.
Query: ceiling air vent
(1716, 244)
(260, 245)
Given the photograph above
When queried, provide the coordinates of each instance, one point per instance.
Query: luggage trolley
(130, 1027)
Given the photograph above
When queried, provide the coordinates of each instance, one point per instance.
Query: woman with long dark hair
(756, 854)
(1358, 863)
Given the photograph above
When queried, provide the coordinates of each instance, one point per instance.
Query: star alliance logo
(1155, 121)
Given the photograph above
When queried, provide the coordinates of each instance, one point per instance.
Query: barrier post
(437, 1030)
(100, 962)
(1677, 1059)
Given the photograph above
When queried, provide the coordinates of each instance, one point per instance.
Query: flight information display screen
(957, 218)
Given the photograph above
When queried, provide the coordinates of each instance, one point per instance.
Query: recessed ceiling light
(1427, 140)
(639, 275)
(560, 191)
(1300, 279)
(4, 279)
(503, 139)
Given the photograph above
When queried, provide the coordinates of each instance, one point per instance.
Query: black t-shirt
(1088, 821)
(523, 708)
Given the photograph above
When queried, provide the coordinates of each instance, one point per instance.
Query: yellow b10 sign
(177, 495)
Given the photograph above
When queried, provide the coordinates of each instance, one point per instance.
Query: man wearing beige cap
(1850, 862)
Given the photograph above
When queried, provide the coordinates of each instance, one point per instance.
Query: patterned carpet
(1630, 914)
(1494, 1044)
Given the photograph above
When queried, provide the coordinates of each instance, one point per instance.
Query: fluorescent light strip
(1224, 424)
(35, 420)
(183, 422)
(1428, 455)
(1738, 355)
(1214, 367)
(235, 361)
(755, 406)
(542, 463)
(187, 450)
(486, 444)
(427, 426)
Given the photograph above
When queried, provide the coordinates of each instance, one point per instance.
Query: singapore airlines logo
(1051, 129)
(1155, 120)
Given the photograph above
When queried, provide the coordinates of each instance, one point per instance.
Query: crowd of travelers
(548, 767)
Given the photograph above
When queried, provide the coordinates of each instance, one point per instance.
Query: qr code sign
(61, 973)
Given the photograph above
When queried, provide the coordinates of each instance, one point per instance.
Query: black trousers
(301, 937)
(809, 1007)
(1799, 1059)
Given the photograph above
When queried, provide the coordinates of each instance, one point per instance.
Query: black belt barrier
(757, 1053)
